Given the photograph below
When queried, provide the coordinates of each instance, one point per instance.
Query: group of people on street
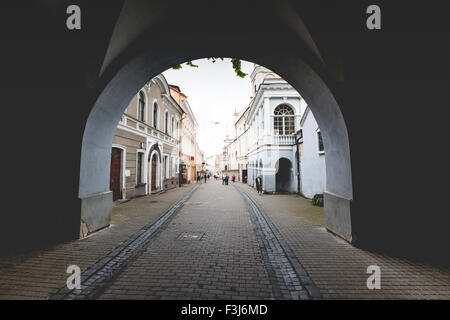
(226, 178)
(205, 176)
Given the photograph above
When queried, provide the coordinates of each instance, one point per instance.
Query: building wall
(269, 157)
(131, 143)
(134, 135)
(261, 138)
(312, 163)
(187, 151)
(188, 130)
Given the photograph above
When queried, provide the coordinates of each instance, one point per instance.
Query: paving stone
(281, 250)
(337, 268)
(222, 217)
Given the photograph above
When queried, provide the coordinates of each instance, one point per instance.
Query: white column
(267, 119)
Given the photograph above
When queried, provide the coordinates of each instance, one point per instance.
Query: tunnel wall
(390, 86)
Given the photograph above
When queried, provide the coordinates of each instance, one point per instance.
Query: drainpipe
(299, 187)
(179, 174)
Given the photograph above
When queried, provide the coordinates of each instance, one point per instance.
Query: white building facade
(273, 124)
(312, 156)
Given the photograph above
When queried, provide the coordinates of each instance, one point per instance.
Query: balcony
(277, 140)
(283, 139)
(131, 122)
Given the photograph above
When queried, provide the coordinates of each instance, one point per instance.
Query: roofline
(302, 120)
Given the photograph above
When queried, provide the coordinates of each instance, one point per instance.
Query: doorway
(283, 176)
(115, 174)
(154, 167)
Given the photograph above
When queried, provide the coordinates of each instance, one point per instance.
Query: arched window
(155, 115)
(141, 106)
(172, 127)
(166, 122)
(283, 121)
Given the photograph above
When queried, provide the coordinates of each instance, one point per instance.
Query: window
(141, 106)
(172, 127)
(173, 168)
(166, 123)
(155, 115)
(320, 142)
(139, 169)
(166, 167)
(283, 120)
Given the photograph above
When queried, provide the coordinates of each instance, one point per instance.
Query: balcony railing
(143, 127)
(287, 140)
(284, 139)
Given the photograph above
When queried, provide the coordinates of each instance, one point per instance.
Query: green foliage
(189, 63)
(317, 200)
(236, 63)
(237, 67)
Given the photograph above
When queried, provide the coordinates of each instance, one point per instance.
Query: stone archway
(124, 75)
(113, 100)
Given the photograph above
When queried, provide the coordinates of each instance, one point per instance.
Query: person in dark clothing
(227, 177)
(206, 177)
(258, 181)
(198, 177)
(234, 178)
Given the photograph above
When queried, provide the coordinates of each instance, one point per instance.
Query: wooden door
(153, 187)
(114, 181)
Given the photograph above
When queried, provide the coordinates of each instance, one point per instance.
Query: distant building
(188, 148)
(217, 163)
(210, 164)
(236, 148)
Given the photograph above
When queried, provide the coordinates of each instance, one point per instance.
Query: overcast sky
(214, 92)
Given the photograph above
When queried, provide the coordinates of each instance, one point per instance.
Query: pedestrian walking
(223, 179)
(258, 182)
(227, 177)
(234, 178)
(206, 177)
(198, 177)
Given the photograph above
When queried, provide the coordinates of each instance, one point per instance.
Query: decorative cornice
(261, 90)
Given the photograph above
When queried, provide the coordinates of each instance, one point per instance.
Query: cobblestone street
(39, 274)
(217, 242)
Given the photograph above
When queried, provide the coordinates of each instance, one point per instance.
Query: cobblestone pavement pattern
(215, 248)
(38, 274)
(339, 269)
(209, 251)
